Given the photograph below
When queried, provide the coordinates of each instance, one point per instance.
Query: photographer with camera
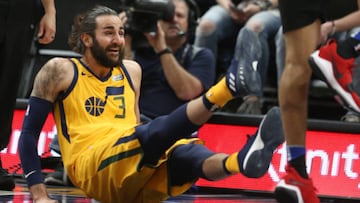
(174, 71)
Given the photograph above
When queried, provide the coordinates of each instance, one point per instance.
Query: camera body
(144, 14)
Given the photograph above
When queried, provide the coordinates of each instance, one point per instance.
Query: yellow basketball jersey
(91, 107)
(96, 122)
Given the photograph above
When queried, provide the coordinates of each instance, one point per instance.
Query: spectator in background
(181, 72)
(334, 62)
(204, 5)
(18, 20)
(173, 70)
(219, 26)
(253, 49)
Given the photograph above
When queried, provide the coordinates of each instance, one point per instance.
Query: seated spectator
(252, 49)
(204, 5)
(334, 62)
(219, 26)
(173, 70)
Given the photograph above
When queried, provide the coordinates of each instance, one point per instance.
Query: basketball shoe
(336, 71)
(243, 79)
(6, 180)
(295, 189)
(58, 177)
(255, 157)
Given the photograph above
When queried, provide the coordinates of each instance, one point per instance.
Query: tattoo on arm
(48, 82)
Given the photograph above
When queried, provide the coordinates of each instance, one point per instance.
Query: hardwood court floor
(73, 195)
(198, 195)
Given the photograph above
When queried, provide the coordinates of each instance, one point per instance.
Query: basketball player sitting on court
(106, 152)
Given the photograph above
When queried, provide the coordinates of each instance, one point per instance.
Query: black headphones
(194, 15)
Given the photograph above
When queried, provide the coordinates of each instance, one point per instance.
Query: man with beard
(174, 71)
(106, 152)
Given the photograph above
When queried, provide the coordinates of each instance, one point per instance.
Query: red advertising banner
(9, 155)
(332, 157)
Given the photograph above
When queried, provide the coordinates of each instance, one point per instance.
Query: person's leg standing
(301, 24)
(4, 7)
(6, 181)
(15, 45)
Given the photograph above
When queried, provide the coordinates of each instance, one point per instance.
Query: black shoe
(255, 157)
(58, 178)
(7, 181)
(242, 79)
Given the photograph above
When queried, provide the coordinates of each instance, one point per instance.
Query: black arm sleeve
(36, 114)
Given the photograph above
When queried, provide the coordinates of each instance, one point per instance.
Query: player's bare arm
(53, 78)
(134, 70)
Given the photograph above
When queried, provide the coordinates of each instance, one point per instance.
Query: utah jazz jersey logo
(95, 106)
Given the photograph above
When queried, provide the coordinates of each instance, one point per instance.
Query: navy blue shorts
(186, 158)
(185, 163)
